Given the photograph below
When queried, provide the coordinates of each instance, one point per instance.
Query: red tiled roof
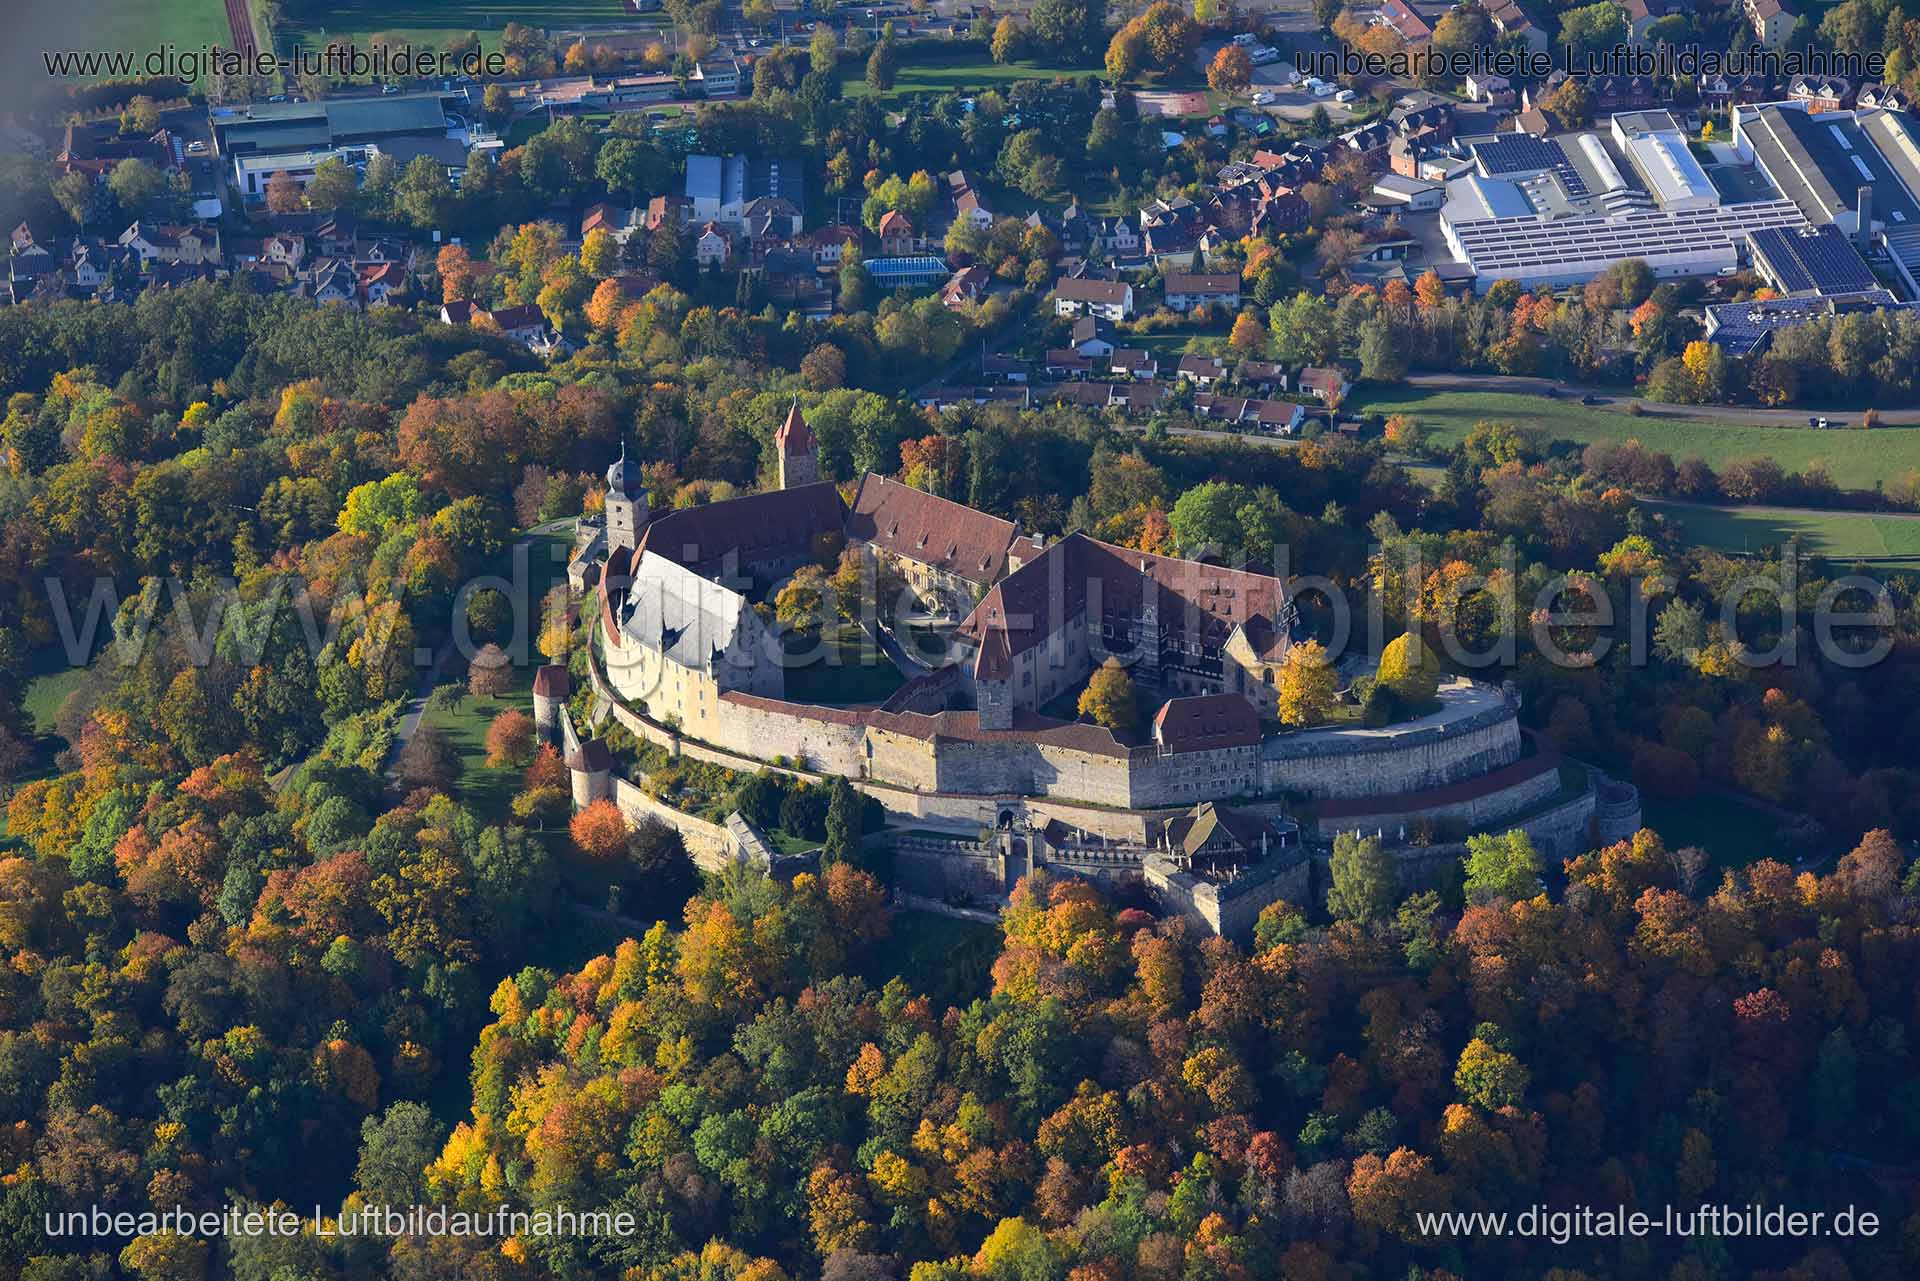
(1201, 603)
(934, 531)
(1181, 282)
(1076, 289)
(1206, 723)
(794, 436)
(777, 524)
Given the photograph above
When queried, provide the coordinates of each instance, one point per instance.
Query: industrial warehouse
(1810, 200)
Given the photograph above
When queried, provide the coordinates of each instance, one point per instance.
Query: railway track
(240, 22)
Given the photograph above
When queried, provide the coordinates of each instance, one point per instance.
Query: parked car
(1262, 98)
(1345, 95)
(1246, 39)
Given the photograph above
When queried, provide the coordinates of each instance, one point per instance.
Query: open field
(141, 26)
(435, 22)
(1841, 536)
(948, 72)
(1856, 459)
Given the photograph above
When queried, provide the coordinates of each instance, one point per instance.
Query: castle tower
(626, 504)
(551, 687)
(799, 451)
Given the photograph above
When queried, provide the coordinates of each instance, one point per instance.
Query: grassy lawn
(839, 668)
(44, 694)
(435, 22)
(1732, 833)
(1857, 459)
(948, 959)
(485, 789)
(1840, 536)
(140, 26)
(946, 72)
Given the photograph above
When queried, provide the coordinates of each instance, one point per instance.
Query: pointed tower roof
(794, 436)
(623, 478)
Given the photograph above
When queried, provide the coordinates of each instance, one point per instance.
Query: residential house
(829, 244)
(664, 210)
(1065, 362)
(967, 285)
(1494, 90)
(331, 280)
(1115, 237)
(525, 323)
(771, 218)
(602, 216)
(1079, 296)
(1821, 93)
(1185, 290)
(1326, 384)
(1262, 374)
(1006, 369)
(1135, 363)
(963, 190)
(192, 245)
(1642, 14)
(897, 238)
(712, 246)
(1772, 21)
(1092, 338)
(1400, 18)
(379, 281)
(1886, 97)
(1512, 22)
(1202, 371)
(1720, 91)
(284, 249)
(1369, 142)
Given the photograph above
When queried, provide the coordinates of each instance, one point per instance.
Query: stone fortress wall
(941, 767)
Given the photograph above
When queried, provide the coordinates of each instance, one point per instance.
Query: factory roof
(1811, 259)
(1821, 162)
(1520, 246)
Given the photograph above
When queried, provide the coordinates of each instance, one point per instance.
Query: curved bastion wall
(1475, 732)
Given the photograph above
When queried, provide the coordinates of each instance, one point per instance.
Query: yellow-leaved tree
(1308, 684)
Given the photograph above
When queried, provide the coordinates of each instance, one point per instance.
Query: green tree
(1365, 882)
(1069, 30)
(823, 51)
(135, 184)
(1489, 1077)
(883, 64)
(1505, 866)
(333, 185)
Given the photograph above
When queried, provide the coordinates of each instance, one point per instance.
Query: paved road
(1617, 401)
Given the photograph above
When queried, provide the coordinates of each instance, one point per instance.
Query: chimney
(1864, 234)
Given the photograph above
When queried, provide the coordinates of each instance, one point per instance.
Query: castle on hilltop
(685, 655)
